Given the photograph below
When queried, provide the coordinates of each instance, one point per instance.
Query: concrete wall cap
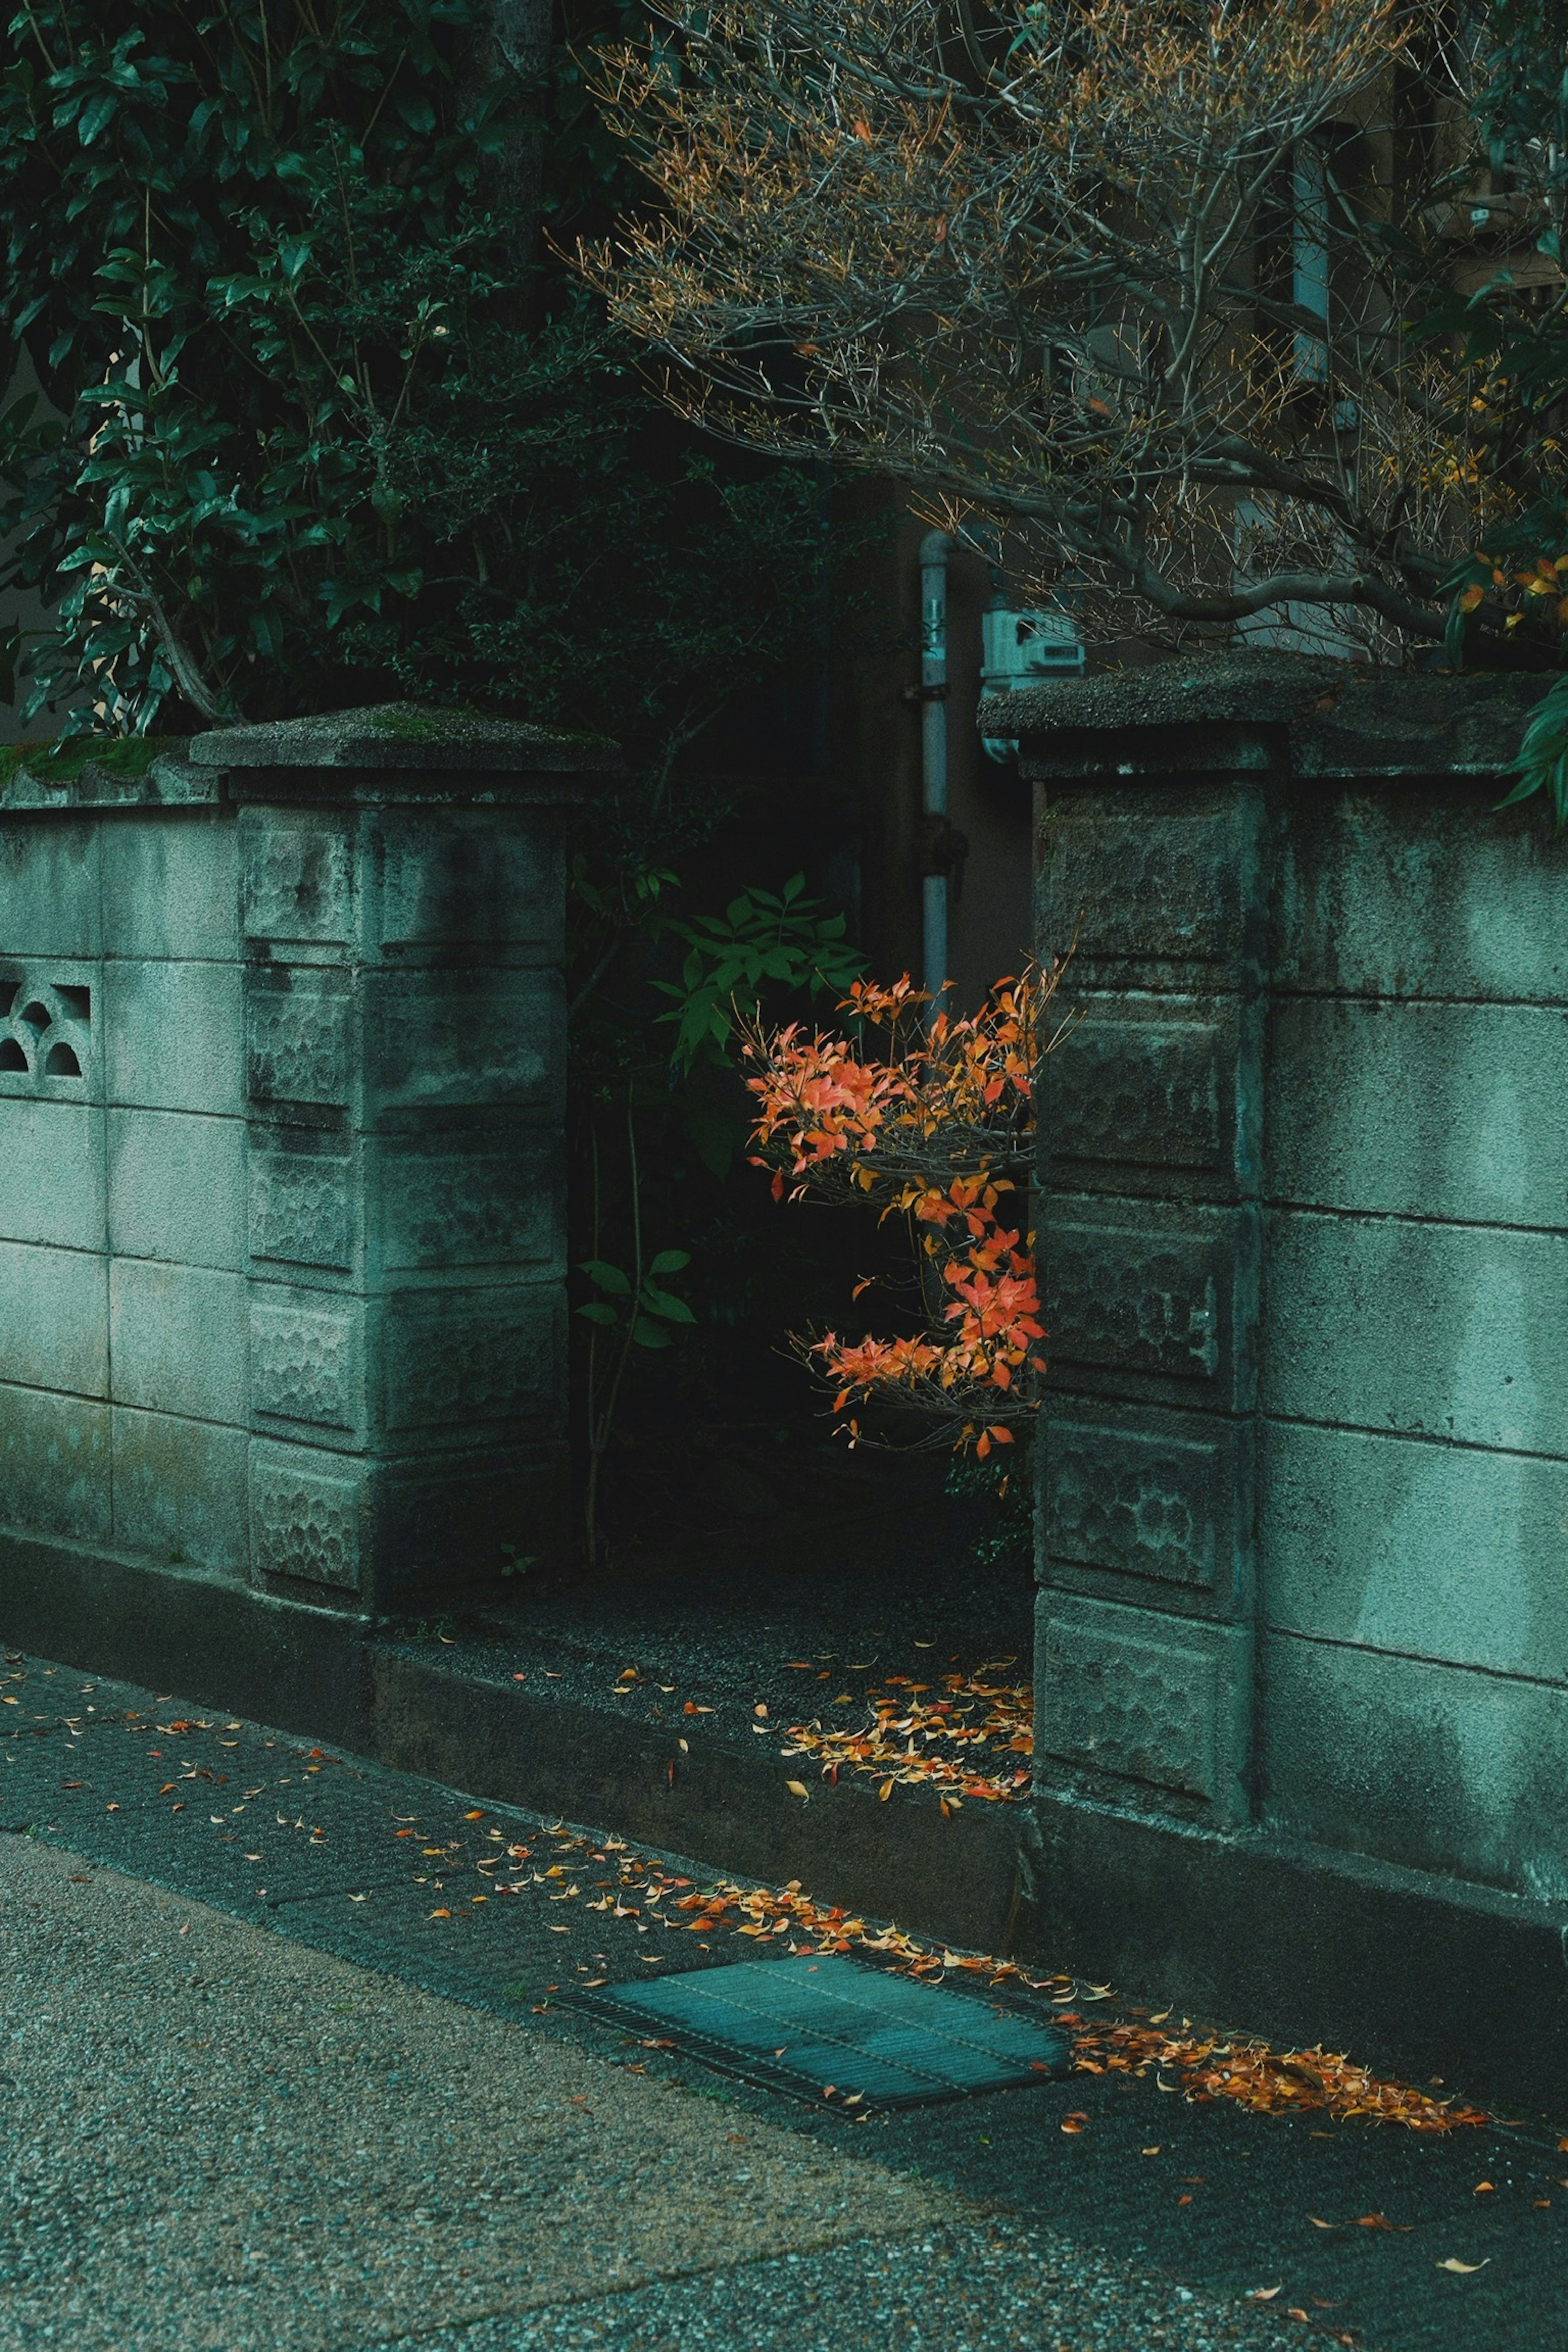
(171, 781)
(408, 736)
(1332, 717)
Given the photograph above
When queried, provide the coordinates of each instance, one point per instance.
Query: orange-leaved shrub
(931, 1117)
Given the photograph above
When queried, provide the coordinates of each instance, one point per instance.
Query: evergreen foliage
(320, 425)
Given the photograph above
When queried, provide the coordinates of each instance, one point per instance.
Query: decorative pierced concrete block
(304, 1517)
(1136, 1697)
(47, 1036)
(304, 1361)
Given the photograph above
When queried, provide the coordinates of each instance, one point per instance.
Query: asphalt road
(285, 2066)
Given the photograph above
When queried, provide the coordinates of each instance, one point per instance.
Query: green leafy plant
(1542, 761)
(763, 939)
(639, 1310)
(321, 421)
(632, 1308)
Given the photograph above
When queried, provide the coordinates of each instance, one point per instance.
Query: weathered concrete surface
(1427, 1110)
(217, 2138)
(1435, 1766)
(1150, 2225)
(1305, 1248)
(1431, 1551)
(281, 1157)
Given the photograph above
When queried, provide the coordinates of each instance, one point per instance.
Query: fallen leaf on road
(1465, 2268)
(1262, 2293)
(796, 1787)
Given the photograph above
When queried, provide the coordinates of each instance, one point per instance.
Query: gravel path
(991, 2287)
(286, 2064)
(218, 2138)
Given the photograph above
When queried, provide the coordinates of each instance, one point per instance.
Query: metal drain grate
(827, 2027)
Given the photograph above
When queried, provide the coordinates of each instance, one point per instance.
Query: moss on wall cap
(97, 771)
(1291, 713)
(408, 737)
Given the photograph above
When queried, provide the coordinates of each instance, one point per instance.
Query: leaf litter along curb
(1242, 2068)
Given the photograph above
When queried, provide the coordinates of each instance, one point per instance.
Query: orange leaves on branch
(937, 1128)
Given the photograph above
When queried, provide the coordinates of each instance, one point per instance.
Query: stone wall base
(190, 1632)
(457, 1715)
(1416, 1976)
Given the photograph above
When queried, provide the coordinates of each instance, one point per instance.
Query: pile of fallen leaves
(1242, 2068)
(944, 1743)
(637, 1889)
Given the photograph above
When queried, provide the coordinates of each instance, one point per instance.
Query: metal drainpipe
(934, 550)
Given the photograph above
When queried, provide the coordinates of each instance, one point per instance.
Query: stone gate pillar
(281, 1189)
(1301, 1721)
(1150, 1120)
(401, 903)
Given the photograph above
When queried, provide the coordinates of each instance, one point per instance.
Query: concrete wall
(282, 1216)
(124, 1406)
(1304, 1526)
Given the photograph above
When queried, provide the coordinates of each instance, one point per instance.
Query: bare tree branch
(1041, 263)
